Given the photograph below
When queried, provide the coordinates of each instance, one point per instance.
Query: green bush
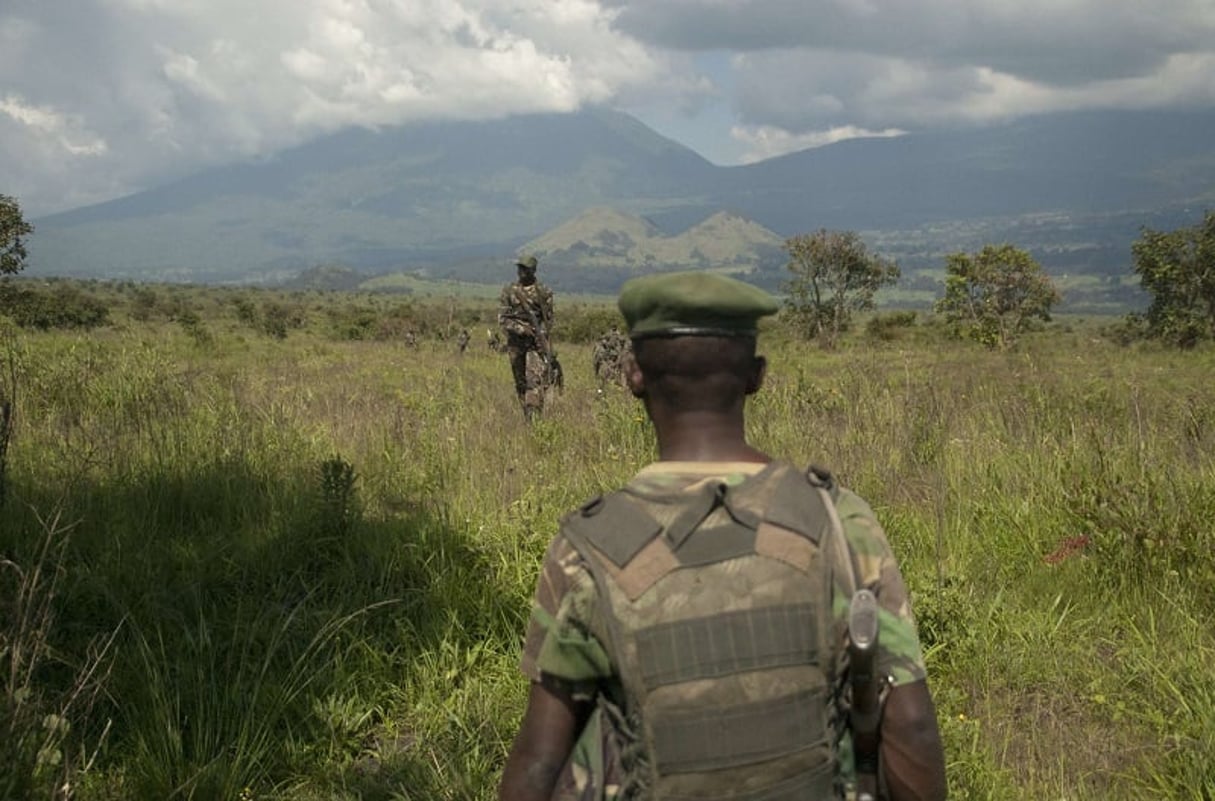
(886, 327)
(196, 329)
(246, 311)
(279, 318)
(62, 305)
(583, 324)
(1130, 329)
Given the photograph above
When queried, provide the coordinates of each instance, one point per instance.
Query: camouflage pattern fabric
(518, 306)
(560, 646)
(592, 771)
(608, 355)
(531, 374)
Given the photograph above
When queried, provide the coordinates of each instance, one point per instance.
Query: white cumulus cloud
(765, 141)
(170, 87)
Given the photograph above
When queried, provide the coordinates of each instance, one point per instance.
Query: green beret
(692, 304)
(527, 261)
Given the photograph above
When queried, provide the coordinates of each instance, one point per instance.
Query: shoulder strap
(822, 479)
(617, 527)
(795, 508)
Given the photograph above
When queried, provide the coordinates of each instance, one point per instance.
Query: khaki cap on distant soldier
(693, 304)
(527, 261)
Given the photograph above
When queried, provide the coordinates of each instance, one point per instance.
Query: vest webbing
(731, 642)
(724, 650)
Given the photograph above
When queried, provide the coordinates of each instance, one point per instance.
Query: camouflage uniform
(517, 305)
(462, 340)
(608, 357)
(562, 648)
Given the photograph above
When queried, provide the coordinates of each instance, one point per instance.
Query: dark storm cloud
(805, 67)
(1052, 41)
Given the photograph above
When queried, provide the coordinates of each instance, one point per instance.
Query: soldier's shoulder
(861, 526)
(849, 504)
(561, 551)
(562, 571)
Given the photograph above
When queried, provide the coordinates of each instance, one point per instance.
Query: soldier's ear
(759, 368)
(633, 377)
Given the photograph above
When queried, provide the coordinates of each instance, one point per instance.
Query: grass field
(239, 565)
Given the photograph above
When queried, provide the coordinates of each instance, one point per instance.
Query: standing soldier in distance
(689, 633)
(608, 357)
(462, 341)
(525, 315)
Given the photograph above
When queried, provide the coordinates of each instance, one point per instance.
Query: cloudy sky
(100, 98)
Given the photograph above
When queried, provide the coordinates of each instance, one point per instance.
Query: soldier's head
(526, 266)
(694, 338)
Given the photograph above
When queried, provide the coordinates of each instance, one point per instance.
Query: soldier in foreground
(525, 315)
(689, 637)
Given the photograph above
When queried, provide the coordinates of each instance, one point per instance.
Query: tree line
(991, 296)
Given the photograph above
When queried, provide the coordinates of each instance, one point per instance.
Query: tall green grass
(300, 567)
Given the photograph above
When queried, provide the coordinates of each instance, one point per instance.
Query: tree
(991, 296)
(1178, 269)
(834, 275)
(12, 228)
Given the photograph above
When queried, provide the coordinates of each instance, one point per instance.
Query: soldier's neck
(704, 437)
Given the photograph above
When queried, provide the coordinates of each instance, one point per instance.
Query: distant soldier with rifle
(525, 315)
(726, 625)
(608, 357)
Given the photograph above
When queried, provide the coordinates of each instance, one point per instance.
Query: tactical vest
(717, 612)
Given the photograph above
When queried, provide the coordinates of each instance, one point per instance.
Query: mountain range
(599, 196)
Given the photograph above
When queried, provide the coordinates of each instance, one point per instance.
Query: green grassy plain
(242, 561)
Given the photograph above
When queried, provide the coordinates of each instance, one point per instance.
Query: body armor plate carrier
(716, 610)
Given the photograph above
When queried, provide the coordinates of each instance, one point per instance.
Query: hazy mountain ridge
(458, 199)
(611, 238)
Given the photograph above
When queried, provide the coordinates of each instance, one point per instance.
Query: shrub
(585, 324)
(61, 306)
(278, 318)
(194, 327)
(886, 326)
(246, 311)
